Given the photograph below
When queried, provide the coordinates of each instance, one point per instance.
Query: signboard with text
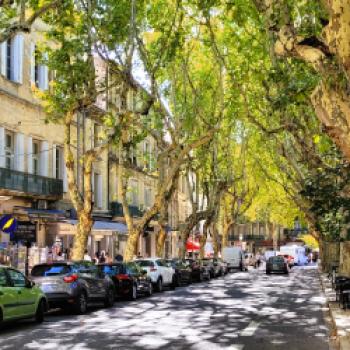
(25, 232)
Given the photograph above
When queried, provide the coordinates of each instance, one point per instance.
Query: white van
(234, 257)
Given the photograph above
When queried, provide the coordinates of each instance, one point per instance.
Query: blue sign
(8, 224)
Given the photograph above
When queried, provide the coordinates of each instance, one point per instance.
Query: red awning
(192, 246)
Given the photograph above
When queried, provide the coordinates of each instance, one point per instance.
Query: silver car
(73, 284)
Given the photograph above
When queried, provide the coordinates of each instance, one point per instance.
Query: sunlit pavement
(249, 311)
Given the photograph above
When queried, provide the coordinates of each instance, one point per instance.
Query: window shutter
(17, 58)
(44, 158)
(45, 73)
(2, 147)
(32, 63)
(19, 152)
(3, 58)
(30, 154)
(64, 175)
(53, 161)
(99, 190)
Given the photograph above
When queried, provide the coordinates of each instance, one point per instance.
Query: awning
(46, 214)
(100, 226)
(192, 246)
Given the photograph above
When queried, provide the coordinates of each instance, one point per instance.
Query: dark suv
(129, 279)
(73, 284)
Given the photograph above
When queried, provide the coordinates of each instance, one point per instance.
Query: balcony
(30, 184)
(117, 210)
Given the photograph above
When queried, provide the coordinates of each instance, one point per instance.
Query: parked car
(19, 297)
(234, 257)
(276, 264)
(73, 284)
(183, 272)
(200, 271)
(159, 272)
(224, 266)
(214, 267)
(130, 280)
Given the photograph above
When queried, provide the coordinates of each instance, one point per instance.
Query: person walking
(102, 258)
(87, 257)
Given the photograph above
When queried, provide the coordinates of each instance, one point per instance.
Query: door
(26, 296)
(8, 296)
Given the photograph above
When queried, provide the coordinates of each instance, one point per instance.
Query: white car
(159, 271)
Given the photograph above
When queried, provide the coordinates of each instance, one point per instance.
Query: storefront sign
(8, 224)
(25, 232)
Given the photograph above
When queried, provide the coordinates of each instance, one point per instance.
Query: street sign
(25, 232)
(8, 224)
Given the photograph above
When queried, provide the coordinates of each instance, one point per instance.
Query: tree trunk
(161, 241)
(131, 244)
(84, 227)
(215, 236)
(203, 240)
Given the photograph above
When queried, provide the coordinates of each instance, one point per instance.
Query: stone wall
(344, 258)
(329, 254)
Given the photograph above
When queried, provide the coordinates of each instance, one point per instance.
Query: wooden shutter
(53, 173)
(32, 63)
(2, 147)
(3, 48)
(99, 190)
(19, 152)
(30, 154)
(17, 58)
(64, 174)
(44, 158)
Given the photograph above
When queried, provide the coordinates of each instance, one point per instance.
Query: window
(17, 279)
(9, 149)
(132, 194)
(46, 270)
(146, 155)
(59, 162)
(36, 157)
(12, 58)
(148, 199)
(39, 70)
(98, 190)
(161, 263)
(97, 139)
(3, 279)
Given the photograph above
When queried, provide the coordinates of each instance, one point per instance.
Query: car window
(17, 278)
(113, 269)
(145, 263)
(3, 279)
(132, 268)
(161, 262)
(50, 270)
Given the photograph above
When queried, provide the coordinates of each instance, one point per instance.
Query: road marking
(250, 329)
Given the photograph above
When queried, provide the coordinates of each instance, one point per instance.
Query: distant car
(223, 265)
(200, 271)
(159, 272)
(19, 297)
(130, 280)
(183, 272)
(234, 257)
(276, 264)
(73, 284)
(214, 267)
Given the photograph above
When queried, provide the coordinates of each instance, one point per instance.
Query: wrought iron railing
(29, 183)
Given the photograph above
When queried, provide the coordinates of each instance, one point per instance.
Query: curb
(339, 338)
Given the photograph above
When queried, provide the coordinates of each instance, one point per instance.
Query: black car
(214, 267)
(72, 285)
(276, 264)
(130, 280)
(200, 271)
(183, 272)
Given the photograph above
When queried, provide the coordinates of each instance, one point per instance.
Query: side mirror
(29, 284)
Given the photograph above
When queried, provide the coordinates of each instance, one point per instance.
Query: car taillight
(153, 269)
(70, 279)
(122, 276)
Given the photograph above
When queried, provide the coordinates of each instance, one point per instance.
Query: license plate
(47, 288)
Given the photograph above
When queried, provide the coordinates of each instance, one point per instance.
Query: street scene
(174, 174)
(243, 310)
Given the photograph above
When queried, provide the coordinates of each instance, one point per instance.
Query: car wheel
(81, 304)
(150, 289)
(109, 298)
(40, 311)
(159, 285)
(133, 293)
(268, 272)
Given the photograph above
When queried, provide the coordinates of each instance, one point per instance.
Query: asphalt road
(242, 311)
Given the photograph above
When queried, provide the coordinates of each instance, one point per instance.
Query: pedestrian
(87, 257)
(102, 258)
(96, 259)
(59, 256)
(108, 259)
(119, 258)
(139, 255)
(258, 260)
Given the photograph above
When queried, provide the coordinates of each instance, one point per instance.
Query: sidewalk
(340, 319)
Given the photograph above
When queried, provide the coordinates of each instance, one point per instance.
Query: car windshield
(50, 270)
(145, 263)
(276, 259)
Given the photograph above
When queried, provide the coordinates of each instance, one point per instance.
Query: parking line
(250, 329)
